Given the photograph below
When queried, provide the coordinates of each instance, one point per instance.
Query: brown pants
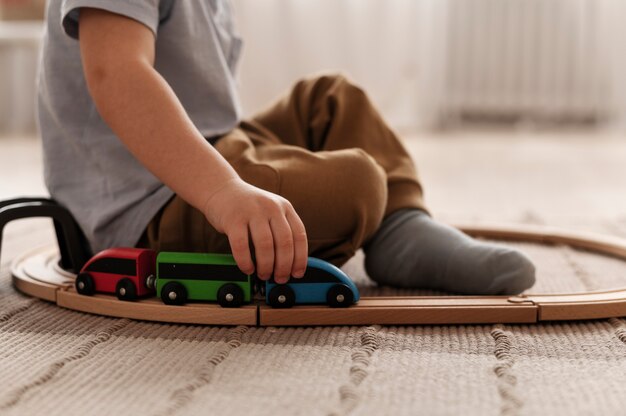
(324, 148)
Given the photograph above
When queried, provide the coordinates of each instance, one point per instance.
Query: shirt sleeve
(146, 12)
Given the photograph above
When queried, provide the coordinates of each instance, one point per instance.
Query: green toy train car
(198, 276)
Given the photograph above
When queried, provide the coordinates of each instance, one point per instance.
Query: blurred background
(513, 110)
(428, 64)
(440, 63)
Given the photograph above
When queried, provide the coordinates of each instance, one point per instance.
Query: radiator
(537, 59)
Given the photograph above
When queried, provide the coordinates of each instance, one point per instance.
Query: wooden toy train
(131, 273)
(75, 253)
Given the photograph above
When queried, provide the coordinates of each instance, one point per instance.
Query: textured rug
(60, 362)
(56, 361)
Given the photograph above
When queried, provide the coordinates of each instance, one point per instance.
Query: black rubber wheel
(126, 290)
(85, 284)
(282, 296)
(339, 296)
(230, 296)
(174, 293)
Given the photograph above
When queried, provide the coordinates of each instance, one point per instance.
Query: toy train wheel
(151, 282)
(230, 296)
(339, 296)
(126, 290)
(282, 296)
(85, 284)
(174, 294)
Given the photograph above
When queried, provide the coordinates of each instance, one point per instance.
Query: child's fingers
(263, 248)
(283, 246)
(240, 246)
(300, 244)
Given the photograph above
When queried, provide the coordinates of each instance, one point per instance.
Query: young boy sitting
(144, 143)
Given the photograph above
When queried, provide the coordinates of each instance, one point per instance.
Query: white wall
(396, 49)
(612, 22)
(372, 41)
(19, 49)
(541, 57)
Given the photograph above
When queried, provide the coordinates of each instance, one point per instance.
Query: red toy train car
(127, 272)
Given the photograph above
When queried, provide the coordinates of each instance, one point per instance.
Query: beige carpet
(61, 362)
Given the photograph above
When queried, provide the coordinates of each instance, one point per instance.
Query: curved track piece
(73, 245)
(50, 283)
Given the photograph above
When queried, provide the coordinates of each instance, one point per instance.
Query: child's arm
(143, 111)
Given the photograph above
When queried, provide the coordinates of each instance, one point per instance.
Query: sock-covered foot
(412, 250)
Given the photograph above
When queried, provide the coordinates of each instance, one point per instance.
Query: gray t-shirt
(87, 168)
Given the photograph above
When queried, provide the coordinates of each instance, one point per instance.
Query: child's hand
(241, 210)
(141, 108)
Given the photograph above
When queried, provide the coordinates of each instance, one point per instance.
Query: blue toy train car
(322, 283)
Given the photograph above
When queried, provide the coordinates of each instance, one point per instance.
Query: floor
(63, 362)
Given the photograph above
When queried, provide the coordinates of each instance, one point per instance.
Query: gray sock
(412, 250)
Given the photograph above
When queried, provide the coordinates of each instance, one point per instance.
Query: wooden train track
(36, 273)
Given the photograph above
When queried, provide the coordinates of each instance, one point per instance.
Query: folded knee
(325, 83)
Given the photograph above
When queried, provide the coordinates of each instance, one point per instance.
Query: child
(144, 144)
